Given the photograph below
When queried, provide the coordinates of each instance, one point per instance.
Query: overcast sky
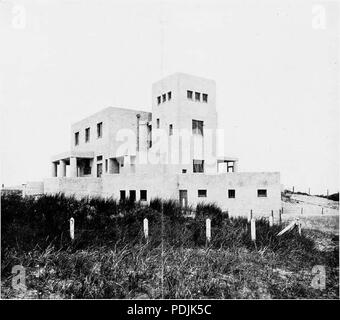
(275, 64)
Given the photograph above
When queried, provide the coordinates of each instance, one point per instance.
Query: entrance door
(99, 170)
(183, 198)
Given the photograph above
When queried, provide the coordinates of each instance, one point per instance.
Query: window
(164, 97)
(157, 123)
(122, 195)
(261, 193)
(169, 95)
(184, 170)
(87, 167)
(231, 193)
(202, 193)
(198, 165)
(99, 129)
(159, 100)
(87, 134)
(76, 138)
(205, 97)
(189, 94)
(170, 130)
(132, 195)
(197, 127)
(106, 165)
(197, 96)
(99, 158)
(143, 195)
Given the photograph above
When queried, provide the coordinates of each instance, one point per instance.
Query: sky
(275, 64)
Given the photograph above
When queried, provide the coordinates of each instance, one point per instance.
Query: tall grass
(110, 257)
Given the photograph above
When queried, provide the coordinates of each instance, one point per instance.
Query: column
(73, 167)
(54, 167)
(63, 168)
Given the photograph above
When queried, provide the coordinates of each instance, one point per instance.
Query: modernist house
(169, 153)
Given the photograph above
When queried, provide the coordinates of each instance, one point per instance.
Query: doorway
(183, 198)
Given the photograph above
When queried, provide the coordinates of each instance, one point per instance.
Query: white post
(253, 229)
(146, 228)
(72, 228)
(250, 215)
(271, 219)
(208, 229)
(299, 227)
(73, 167)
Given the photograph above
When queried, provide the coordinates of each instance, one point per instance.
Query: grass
(110, 258)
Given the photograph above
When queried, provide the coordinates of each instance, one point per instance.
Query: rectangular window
(99, 129)
(170, 130)
(157, 123)
(197, 96)
(262, 193)
(169, 95)
(143, 195)
(76, 138)
(189, 94)
(159, 100)
(106, 165)
(202, 193)
(122, 195)
(132, 195)
(197, 127)
(184, 170)
(87, 134)
(231, 193)
(198, 165)
(99, 158)
(164, 97)
(205, 97)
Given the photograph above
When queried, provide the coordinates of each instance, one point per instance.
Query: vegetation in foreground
(110, 258)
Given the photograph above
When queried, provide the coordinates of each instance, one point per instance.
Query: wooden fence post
(250, 215)
(146, 228)
(271, 219)
(208, 229)
(253, 229)
(72, 228)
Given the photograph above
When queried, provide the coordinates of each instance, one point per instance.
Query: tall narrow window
(169, 95)
(99, 129)
(170, 130)
(205, 97)
(189, 94)
(106, 165)
(87, 134)
(143, 195)
(197, 127)
(198, 166)
(157, 123)
(76, 138)
(122, 194)
(197, 96)
(159, 100)
(163, 97)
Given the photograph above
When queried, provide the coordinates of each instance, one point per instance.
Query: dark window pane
(231, 193)
(143, 195)
(159, 100)
(202, 193)
(189, 94)
(197, 96)
(262, 193)
(169, 95)
(205, 97)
